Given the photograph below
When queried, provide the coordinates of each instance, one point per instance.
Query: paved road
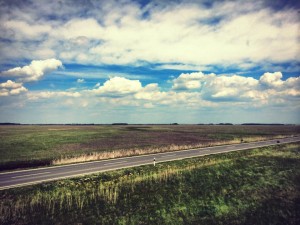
(33, 176)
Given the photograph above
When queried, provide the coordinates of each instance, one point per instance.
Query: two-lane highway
(33, 176)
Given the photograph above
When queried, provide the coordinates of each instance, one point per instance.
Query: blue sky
(184, 61)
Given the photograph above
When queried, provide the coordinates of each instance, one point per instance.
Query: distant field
(24, 146)
(259, 186)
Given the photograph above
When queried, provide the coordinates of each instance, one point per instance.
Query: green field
(27, 146)
(259, 186)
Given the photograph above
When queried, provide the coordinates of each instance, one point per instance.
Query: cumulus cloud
(228, 88)
(271, 80)
(34, 71)
(189, 90)
(122, 91)
(275, 86)
(116, 86)
(188, 81)
(10, 84)
(293, 82)
(150, 92)
(236, 88)
(11, 88)
(118, 32)
(214, 87)
(215, 92)
(181, 35)
(198, 90)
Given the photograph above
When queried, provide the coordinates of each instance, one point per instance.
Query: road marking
(167, 155)
(282, 141)
(145, 162)
(201, 151)
(30, 175)
(114, 163)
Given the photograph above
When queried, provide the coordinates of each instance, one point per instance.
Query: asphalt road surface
(33, 176)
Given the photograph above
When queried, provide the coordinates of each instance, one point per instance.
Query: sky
(149, 61)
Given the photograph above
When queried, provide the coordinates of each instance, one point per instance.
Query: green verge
(259, 186)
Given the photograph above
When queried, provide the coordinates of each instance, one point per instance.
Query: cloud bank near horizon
(191, 89)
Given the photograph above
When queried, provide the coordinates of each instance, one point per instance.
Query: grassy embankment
(25, 146)
(259, 186)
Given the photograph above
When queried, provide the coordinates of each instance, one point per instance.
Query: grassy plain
(259, 186)
(25, 146)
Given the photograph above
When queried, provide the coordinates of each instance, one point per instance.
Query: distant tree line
(123, 124)
(256, 124)
(10, 124)
(215, 124)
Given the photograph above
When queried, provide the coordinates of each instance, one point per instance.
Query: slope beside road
(33, 176)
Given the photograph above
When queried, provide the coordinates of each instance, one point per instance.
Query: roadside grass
(259, 186)
(30, 146)
(92, 156)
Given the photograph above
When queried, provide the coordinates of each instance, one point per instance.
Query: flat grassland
(27, 146)
(259, 186)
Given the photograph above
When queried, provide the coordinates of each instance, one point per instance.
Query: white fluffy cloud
(179, 35)
(11, 88)
(122, 91)
(228, 88)
(188, 81)
(241, 33)
(217, 93)
(116, 86)
(183, 35)
(198, 90)
(271, 80)
(10, 84)
(34, 71)
(238, 88)
(189, 90)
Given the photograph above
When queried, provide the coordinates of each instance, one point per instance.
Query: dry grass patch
(93, 156)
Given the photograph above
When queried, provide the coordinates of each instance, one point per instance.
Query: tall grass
(135, 152)
(232, 188)
(31, 146)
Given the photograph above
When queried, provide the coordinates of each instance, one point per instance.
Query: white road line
(30, 175)
(282, 141)
(114, 163)
(167, 156)
(128, 166)
(204, 151)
